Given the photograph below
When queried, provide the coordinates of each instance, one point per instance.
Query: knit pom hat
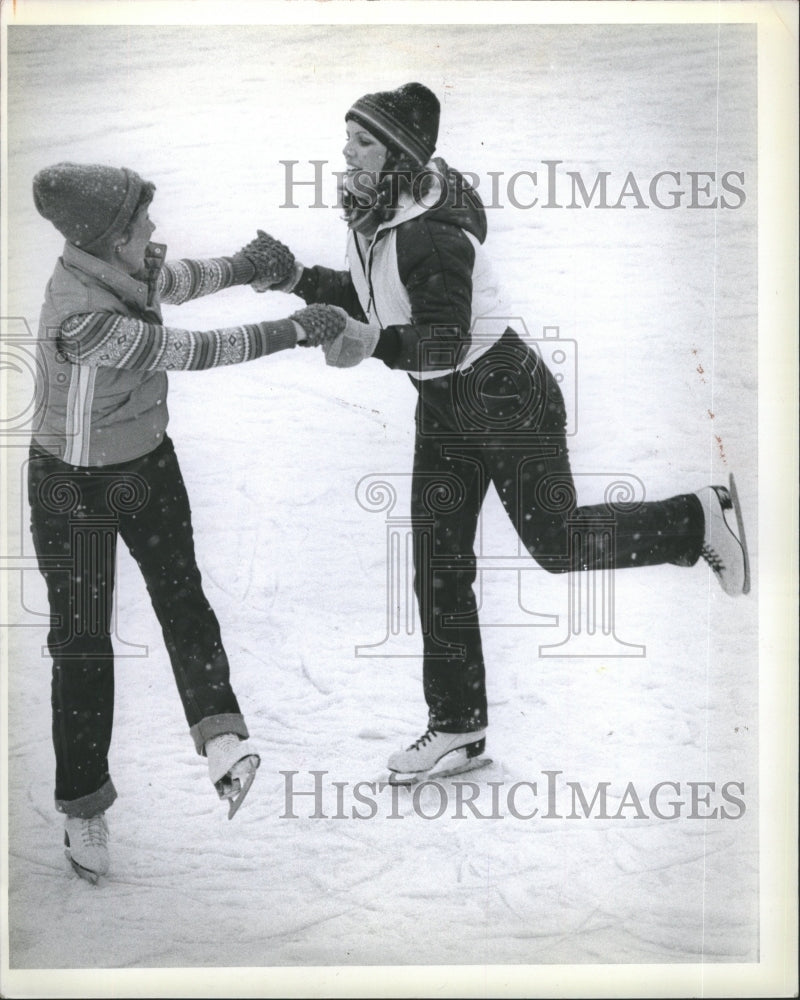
(88, 203)
(406, 118)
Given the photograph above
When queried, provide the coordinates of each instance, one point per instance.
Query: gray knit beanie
(88, 203)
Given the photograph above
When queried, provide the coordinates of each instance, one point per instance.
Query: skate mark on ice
(307, 925)
(363, 878)
(311, 679)
(39, 810)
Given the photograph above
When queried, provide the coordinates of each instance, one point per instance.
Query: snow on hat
(89, 203)
(406, 118)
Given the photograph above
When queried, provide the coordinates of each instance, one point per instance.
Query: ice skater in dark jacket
(421, 297)
(102, 466)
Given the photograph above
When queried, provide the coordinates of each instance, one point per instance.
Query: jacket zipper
(366, 267)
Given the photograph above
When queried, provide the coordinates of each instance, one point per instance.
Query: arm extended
(263, 262)
(112, 340)
(180, 281)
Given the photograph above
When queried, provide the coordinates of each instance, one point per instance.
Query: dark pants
(503, 421)
(76, 516)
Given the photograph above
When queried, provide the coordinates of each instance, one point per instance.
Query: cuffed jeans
(503, 421)
(76, 516)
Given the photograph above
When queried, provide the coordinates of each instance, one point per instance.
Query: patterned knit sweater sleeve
(181, 280)
(113, 340)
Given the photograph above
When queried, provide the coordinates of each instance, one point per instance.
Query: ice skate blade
(236, 791)
(85, 873)
(737, 510)
(237, 800)
(464, 766)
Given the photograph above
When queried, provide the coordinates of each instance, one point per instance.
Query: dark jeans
(503, 421)
(76, 516)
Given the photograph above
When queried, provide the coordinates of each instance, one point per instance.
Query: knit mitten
(322, 324)
(356, 342)
(273, 262)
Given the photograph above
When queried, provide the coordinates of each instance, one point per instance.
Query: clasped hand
(345, 341)
(273, 263)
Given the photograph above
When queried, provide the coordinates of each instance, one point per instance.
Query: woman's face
(130, 255)
(363, 153)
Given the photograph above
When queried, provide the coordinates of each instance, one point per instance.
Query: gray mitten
(356, 342)
(273, 262)
(322, 324)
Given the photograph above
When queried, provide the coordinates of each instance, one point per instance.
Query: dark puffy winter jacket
(424, 278)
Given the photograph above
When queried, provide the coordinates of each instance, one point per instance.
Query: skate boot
(724, 544)
(420, 760)
(86, 842)
(232, 768)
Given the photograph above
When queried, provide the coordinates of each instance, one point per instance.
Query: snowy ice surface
(662, 305)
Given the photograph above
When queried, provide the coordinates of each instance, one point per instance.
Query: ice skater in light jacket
(102, 466)
(421, 297)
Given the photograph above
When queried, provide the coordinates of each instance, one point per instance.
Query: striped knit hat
(89, 203)
(406, 119)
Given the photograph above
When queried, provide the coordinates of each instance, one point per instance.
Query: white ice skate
(232, 768)
(86, 842)
(419, 761)
(725, 547)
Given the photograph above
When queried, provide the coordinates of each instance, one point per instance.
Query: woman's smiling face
(362, 151)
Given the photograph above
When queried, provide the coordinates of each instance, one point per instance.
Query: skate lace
(713, 559)
(223, 743)
(426, 737)
(94, 832)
